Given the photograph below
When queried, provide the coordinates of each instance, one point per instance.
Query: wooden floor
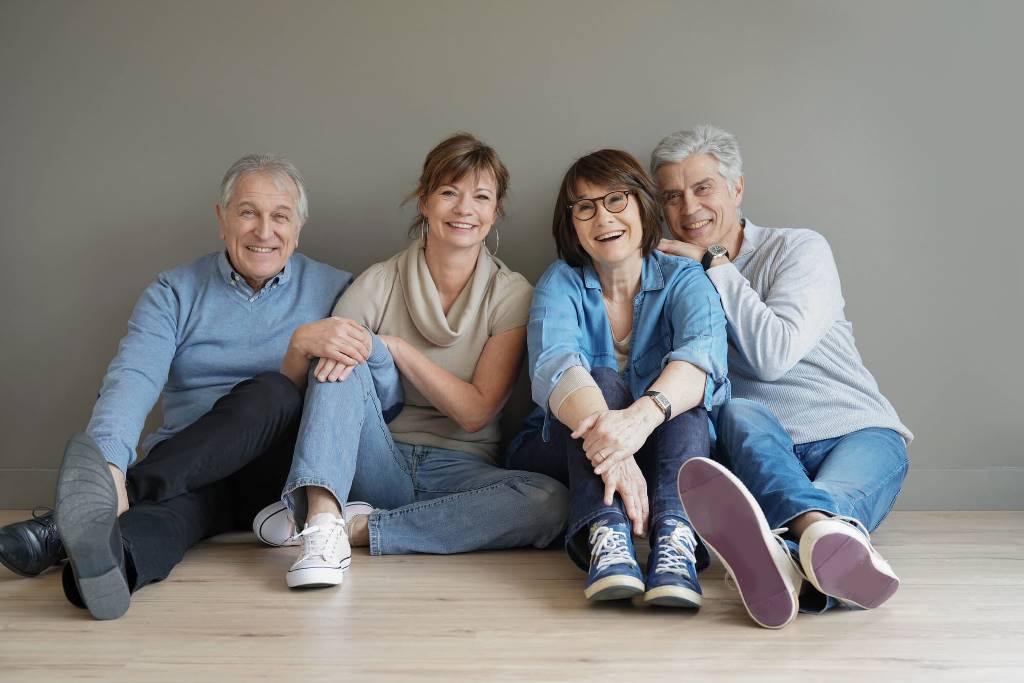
(225, 614)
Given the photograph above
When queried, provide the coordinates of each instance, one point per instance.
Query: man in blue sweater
(209, 336)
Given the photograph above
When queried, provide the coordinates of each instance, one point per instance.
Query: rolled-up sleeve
(699, 332)
(554, 333)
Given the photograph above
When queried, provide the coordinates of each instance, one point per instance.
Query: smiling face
(610, 239)
(260, 226)
(699, 207)
(461, 212)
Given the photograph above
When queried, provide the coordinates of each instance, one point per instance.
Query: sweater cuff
(379, 354)
(116, 453)
(727, 272)
(571, 381)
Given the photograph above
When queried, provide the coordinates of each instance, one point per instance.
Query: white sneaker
(325, 554)
(274, 525)
(840, 561)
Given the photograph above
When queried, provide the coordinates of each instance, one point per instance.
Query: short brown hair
(452, 159)
(613, 169)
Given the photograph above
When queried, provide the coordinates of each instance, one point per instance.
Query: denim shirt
(677, 315)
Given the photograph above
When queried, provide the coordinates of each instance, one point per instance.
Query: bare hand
(626, 479)
(338, 339)
(612, 436)
(678, 248)
(328, 370)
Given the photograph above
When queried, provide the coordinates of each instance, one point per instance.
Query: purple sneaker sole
(729, 520)
(843, 568)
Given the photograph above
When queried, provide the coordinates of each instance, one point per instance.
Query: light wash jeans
(429, 500)
(856, 475)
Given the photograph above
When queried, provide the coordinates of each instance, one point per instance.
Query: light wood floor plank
(225, 614)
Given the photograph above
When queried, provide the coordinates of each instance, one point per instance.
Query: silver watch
(713, 252)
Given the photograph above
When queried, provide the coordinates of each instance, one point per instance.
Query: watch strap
(662, 402)
(709, 257)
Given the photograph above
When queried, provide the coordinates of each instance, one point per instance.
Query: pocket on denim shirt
(649, 360)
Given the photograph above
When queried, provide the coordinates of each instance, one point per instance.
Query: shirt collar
(753, 236)
(651, 277)
(230, 276)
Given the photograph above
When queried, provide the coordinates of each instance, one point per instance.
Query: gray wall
(891, 127)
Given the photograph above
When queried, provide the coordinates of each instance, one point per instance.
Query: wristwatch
(713, 252)
(662, 402)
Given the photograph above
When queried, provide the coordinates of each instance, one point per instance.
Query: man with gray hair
(209, 336)
(811, 442)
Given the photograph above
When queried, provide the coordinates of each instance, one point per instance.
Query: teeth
(460, 225)
(261, 250)
(699, 224)
(610, 235)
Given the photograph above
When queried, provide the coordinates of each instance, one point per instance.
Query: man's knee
(276, 389)
(740, 416)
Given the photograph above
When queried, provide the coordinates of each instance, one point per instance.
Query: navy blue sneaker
(671, 568)
(614, 572)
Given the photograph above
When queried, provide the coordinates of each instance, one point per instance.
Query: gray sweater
(791, 347)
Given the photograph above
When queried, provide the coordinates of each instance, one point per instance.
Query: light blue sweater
(199, 330)
(791, 347)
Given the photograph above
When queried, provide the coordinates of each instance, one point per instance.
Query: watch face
(717, 250)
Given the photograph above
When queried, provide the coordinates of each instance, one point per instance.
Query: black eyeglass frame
(603, 203)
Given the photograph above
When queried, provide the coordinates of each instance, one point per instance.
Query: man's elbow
(773, 370)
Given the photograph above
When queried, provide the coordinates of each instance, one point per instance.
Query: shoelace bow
(609, 547)
(676, 551)
(316, 539)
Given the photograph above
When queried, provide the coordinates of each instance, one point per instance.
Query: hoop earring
(423, 228)
(497, 240)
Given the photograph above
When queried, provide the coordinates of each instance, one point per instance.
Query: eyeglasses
(614, 202)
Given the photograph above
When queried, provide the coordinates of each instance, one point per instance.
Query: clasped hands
(610, 440)
(340, 344)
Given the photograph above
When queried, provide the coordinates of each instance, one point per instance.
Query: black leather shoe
(87, 520)
(32, 546)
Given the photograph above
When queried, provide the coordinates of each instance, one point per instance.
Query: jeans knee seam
(420, 505)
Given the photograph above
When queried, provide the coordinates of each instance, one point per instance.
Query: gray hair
(271, 164)
(702, 139)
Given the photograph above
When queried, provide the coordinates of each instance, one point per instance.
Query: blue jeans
(430, 500)
(856, 475)
(660, 458)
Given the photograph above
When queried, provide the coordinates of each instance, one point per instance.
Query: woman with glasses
(442, 323)
(627, 353)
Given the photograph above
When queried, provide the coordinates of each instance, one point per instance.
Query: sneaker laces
(318, 540)
(44, 517)
(730, 580)
(608, 547)
(675, 551)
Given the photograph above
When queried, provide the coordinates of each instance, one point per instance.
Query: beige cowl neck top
(398, 297)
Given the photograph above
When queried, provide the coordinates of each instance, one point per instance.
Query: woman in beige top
(443, 323)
